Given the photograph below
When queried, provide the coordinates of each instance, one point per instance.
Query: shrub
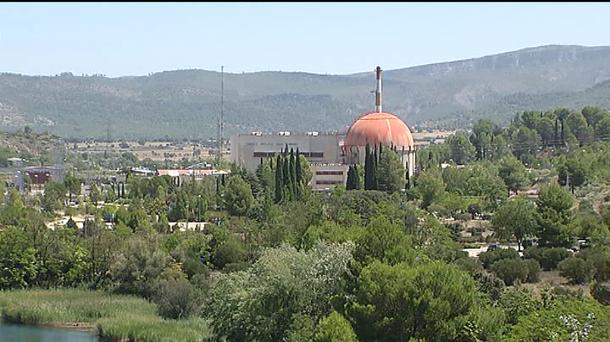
(175, 298)
(553, 256)
(231, 251)
(547, 257)
(599, 259)
(510, 270)
(488, 258)
(489, 284)
(517, 302)
(577, 270)
(439, 210)
(601, 292)
(533, 252)
(566, 292)
(470, 265)
(533, 270)
(462, 216)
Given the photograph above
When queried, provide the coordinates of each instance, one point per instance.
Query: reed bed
(113, 317)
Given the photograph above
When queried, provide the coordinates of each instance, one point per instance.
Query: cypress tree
(563, 139)
(293, 176)
(349, 184)
(374, 184)
(279, 186)
(556, 135)
(367, 168)
(286, 179)
(299, 173)
(356, 181)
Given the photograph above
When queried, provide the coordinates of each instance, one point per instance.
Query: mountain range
(186, 103)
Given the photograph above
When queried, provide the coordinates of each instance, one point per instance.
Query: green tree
(18, 265)
(482, 134)
(263, 302)
(370, 174)
(335, 328)
(428, 301)
(279, 180)
(546, 130)
(265, 176)
(513, 174)
(461, 149)
(602, 130)
(525, 141)
(554, 216)
(352, 179)
(94, 194)
(429, 186)
(72, 184)
(137, 266)
(516, 218)
(384, 240)
(54, 196)
(579, 127)
(593, 115)
(390, 172)
(237, 196)
(571, 173)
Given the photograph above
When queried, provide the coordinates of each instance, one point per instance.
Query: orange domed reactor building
(376, 128)
(330, 153)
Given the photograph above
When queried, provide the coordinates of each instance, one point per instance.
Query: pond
(19, 333)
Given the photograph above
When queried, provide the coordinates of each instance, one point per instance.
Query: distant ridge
(185, 103)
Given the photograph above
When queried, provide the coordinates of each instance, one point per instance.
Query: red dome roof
(374, 128)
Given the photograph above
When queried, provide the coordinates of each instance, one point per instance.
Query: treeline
(273, 260)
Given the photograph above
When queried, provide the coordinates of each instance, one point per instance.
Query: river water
(28, 333)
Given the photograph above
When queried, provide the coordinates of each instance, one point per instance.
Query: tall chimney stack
(378, 90)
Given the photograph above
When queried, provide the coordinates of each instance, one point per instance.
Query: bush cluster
(548, 258)
(513, 271)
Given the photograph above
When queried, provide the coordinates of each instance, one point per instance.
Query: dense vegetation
(186, 103)
(272, 260)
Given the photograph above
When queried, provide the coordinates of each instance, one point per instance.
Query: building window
(329, 173)
(264, 154)
(313, 154)
(329, 182)
(304, 154)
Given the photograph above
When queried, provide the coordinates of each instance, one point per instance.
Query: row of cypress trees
(288, 176)
(371, 168)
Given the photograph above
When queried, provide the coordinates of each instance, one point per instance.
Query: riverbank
(113, 317)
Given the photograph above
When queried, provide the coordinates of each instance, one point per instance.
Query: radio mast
(221, 120)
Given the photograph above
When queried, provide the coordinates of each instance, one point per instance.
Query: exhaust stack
(378, 90)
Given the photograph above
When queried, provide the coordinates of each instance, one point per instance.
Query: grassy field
(111, 316)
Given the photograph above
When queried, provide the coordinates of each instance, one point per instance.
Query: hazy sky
(138, 38)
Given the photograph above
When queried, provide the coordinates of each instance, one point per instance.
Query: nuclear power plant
(330, 155)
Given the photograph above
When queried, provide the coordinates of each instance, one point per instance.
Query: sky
(120, 39)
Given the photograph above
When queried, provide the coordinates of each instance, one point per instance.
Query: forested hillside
(186, 103)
